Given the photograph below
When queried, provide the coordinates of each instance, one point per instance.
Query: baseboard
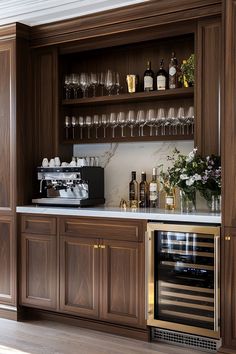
(224, 350)
(8, 312)
(125, 331)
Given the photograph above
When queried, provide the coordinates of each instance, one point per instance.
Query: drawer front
(114, 229)
(38, 225)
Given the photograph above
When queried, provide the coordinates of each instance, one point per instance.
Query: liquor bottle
(133, 191)
(148, 78)
(154, 190)
(173, 72)
(161, 77)
(143, 191)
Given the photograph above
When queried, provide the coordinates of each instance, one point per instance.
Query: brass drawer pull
(227, 238)
(95, 246)
(102, 246)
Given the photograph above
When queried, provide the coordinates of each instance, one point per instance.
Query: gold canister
(132, 81)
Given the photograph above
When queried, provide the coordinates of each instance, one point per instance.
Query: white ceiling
(36, 12)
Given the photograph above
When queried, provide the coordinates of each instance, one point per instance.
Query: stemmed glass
(81, 124)
(96, 124)
(190, 119)
(171, 118)
(181, 118)
(161, 120)
(67, 86)
(88, 123)
(117, 83)
(113, 123)
(67, 126)
(94, 82)
(151, 119)
(102, 82)
(109, 81)
(121, 122)
(84, 83)
(74, 123)
(141, 121)
(75, 84)
(131, 121)
(104, 123)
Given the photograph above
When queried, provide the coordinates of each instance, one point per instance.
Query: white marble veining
(119, 159)
(108, 212)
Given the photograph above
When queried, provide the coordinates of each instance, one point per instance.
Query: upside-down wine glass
(141, 121)
(150, 119)
(104, 123)
(74, 123)
(109, 81)
(122, 122)
(81, 124)
(96, 124)
(67, 126)
(113, 123)
(131, 121)
(84, 83)
(88, 123)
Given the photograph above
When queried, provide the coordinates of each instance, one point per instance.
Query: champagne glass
(84, 83)
(88, 123)
(141, 121)
(67, 126)
(131, 121)
(96, 124)
(151, 119)
(81, 124)
(122, 122)
(109, 81)
(74, 123)
(94, 82)
(113, 123)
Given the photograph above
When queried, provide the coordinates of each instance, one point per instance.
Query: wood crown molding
(129, 18)
(14, 30)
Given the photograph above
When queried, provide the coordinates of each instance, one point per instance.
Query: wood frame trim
(129, 18)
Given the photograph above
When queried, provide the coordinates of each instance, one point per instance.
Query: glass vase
(215, 203)
(187, 201)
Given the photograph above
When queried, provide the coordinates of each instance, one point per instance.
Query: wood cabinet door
(208, 60)
(39, 271)
(228, 292)
(79, 276)
(7, 261)
(122, 294)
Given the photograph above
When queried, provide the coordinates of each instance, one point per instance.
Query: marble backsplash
(119, 159)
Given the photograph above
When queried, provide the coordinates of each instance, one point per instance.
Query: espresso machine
(72, 186)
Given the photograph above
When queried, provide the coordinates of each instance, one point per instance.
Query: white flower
(183, 176)
(191, 155)
(190, 181)
(197, 177)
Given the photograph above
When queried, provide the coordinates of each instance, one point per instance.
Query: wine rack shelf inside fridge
(183, 289)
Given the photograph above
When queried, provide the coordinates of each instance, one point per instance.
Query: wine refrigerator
(182, 278)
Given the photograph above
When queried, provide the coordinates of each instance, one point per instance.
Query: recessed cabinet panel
(121, 291)
(7, 261)
(79, 276)
(39, 271)
(5, 124)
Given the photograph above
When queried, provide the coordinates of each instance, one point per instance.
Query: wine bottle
(154, 190)
(133, 191)
(148, 78)
(143, 191)
(173, 76)
(161, 77)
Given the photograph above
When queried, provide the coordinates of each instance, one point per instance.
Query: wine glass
(84, 83)
(122, 122)
(161, 120)
(181, 117)
(81, 124)
(102, 82)
(109, 81)
(113, 123)
(67, 86)
(75, 84)
(67, 126)
(96, 124)
(190, 118)
(131, 121)
(94, 82)
(104, 123)
(117, 83)
(141, 121)
(88, 123)
(171, 118)
(74, 123)
(151, 119)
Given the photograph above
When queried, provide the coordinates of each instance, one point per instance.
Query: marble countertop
(145, 214)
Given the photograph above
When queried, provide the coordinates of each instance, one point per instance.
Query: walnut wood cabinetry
(102, 269)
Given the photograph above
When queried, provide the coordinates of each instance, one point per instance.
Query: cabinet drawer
(38, 224)
(114, 229)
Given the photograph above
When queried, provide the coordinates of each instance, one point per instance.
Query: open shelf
(132, 97)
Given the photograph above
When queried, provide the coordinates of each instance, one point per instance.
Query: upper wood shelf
(132, 97)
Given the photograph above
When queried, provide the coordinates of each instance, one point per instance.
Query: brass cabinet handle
(95, 246)
(227, 238)
(102, 246)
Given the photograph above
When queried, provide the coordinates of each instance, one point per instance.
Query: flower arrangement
(191, 173)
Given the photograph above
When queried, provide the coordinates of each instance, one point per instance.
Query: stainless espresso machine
(75, 186)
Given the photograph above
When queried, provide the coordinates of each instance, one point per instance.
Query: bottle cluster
(164, 79)
(144, 194)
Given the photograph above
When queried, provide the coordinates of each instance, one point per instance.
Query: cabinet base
(8, 312)
(125, 331)
(223, 350)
